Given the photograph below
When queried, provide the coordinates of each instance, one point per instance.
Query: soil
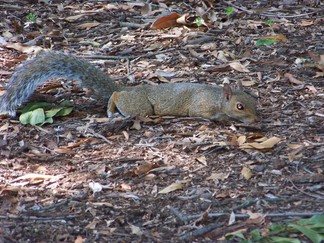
(89, 178)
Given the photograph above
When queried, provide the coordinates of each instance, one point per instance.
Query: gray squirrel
(176, 99)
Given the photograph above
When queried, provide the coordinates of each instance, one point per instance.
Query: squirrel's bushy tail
(53, 65)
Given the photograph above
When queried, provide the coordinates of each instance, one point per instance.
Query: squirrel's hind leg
(129, 103)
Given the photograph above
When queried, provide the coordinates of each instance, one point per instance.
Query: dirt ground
(87, 178)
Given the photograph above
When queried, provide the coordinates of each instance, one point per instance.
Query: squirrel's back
(53, 65)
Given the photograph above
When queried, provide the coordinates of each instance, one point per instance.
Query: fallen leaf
(238, 67)
(24, 48)
(305, 23)
(165, 21)
(88, 25)
(232, 218)
(293, 80)
(218, 176)
(92, 225)
(136, 230)
(79, 239)
(33, 176)
(202, 160)
(279, 37)
(247, 173)
(174, 186)
(145, 168)
(267, 144)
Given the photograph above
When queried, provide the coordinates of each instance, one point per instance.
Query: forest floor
(89, 178)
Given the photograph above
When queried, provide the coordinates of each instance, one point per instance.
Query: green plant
(32, 17)
(41, 113)
(290, 232)
(229, 11)
(198, 21)
(269, 22)
(265, 42)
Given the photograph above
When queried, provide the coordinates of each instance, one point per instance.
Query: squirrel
(176, 99)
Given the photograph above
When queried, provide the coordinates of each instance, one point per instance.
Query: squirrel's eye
(239, 106)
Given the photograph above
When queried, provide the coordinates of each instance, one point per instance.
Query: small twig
(200, 232)
(246, 204)
(272, 15)
(99, 136)
(33, 218)
(306, 193)
(182, 217)
(187, 218)
(129, 57)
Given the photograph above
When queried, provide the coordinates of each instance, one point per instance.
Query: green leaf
(198, 21)
(238, 234)
(35, 105)
(284, 240)
(317, 219)
(52, 112)
(311, 234)
(255, 234)
(48, 120)
(60, 111)
(277, 229)
(229, 10)
(265, 42)
(33, 117)
(64, 111)
(269, 22)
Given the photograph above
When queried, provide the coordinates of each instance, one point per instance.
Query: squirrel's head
(239, 105)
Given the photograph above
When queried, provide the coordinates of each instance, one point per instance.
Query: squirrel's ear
(239, 85)
(227, 92)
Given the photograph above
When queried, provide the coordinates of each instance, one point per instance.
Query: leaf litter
(119, 181)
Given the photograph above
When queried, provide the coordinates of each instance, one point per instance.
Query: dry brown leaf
(10, 189)
(165, 21)
(173, 187)
(144, 168)
(81, 142)
(318, 75)
(136, 125)
(279, 37)
(247, 173)
(126, 135)
(92, 225)
(267, 144)
(293, 80)
(79, 239)
(88, 25)
(311, 88)
(238, 67)
(255, 218)
(202, 160)
(305, 23)
(218, 176)
(241, 140)
(64, 151)
(23, 48)
(76, 17)
(4, 127)
(33, 176)
(248, 83)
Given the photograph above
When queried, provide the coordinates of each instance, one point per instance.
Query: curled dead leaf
(293, 80)
(165, 21)
(174, 186)
(267, 144)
